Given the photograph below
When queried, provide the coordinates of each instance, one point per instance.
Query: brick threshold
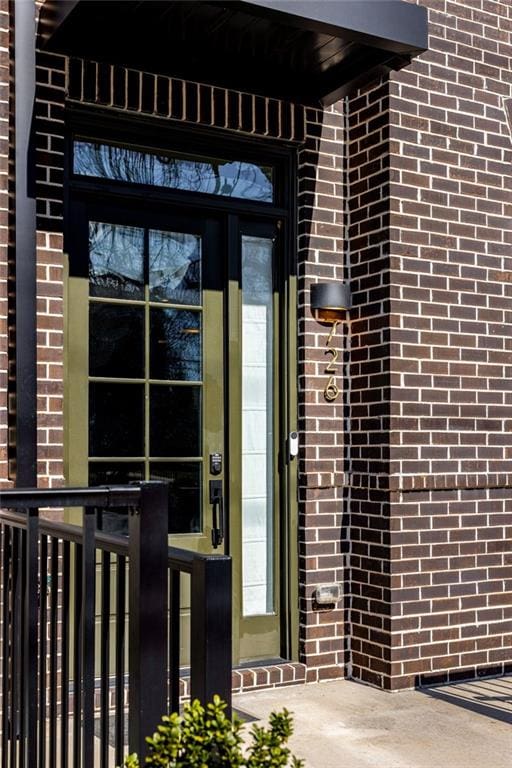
(243, 679)
(272, 675)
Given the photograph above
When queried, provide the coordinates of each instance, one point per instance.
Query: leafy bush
(205, 737)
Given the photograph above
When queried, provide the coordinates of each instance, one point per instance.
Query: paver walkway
(344, 724)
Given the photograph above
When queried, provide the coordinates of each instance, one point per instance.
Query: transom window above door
(192, 173)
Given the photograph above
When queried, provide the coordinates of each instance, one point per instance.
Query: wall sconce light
(330, 301)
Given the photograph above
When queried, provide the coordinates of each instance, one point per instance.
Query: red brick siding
(415, 211)
(451, 306)
(443, 392)
(143, 93)
(321, 473)
(451, 577)
(451, 309)
(366, 533)
(51, 264)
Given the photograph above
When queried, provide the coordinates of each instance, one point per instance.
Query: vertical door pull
(217, 501)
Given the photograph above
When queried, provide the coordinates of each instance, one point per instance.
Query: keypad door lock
(215, 463)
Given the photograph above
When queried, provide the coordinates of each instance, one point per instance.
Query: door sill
(261, 663)
(269, 674)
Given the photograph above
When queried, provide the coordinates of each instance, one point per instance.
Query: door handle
(217, 501)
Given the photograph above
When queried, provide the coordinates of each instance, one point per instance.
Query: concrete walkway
(344, 724)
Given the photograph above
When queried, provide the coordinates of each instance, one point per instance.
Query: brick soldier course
(405, 192)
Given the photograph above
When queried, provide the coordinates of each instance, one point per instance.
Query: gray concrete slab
(344, 724)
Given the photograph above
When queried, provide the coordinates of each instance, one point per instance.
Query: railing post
(147, 614)
(34, 592)
(211, 629)
(87, 635)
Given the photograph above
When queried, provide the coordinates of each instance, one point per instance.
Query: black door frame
(156, 134)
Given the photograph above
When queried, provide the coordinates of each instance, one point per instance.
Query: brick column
(366, 532)
(430, 544)
(51, 263)
(321, 473)
(451, 459)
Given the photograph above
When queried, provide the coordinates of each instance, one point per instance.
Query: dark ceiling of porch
(310, 52)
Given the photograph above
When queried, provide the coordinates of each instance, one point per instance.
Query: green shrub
(205, 737)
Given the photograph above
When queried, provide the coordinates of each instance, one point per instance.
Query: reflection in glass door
(145, 366)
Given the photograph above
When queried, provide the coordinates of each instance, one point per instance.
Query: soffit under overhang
(312, 52)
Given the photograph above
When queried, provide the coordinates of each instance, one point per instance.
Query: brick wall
(404, 480)
(321, 472)
(137, 93)
(451, 237)
(49, 120)
(49, 159)
(366, 531)
(50, 73)
(440, 267)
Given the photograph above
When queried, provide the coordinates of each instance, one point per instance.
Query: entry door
(181, 379)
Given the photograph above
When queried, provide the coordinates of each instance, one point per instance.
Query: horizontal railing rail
(178, 558)
(101, 496)
(90, 626)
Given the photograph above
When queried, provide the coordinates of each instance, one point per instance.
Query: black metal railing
(90, 627)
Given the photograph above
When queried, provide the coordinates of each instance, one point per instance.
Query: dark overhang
(310, 51)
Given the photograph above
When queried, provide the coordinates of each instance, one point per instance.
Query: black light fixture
(330, 301)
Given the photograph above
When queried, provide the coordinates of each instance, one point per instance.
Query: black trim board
(25, 247)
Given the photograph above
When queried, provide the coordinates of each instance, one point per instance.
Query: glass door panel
(175, 267)
(116, 261)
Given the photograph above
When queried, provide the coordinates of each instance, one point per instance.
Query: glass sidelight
(255, 492)
(257, 427)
